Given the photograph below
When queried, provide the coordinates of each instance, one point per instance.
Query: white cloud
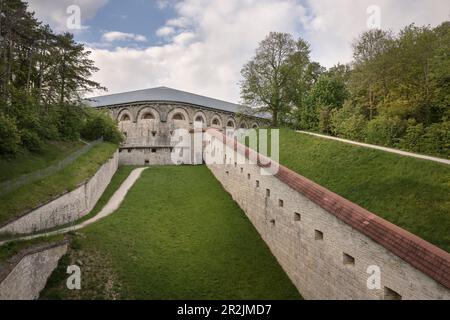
(334, 24)
(212, 40)
(112, 36)
(55, 12)
(165, 31)
(208, 41)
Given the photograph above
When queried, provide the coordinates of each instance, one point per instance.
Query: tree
(43, 76)
(268, 77)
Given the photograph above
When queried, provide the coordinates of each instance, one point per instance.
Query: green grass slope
(26, 162)
(177, 235)
(31, 195)
(409, 192)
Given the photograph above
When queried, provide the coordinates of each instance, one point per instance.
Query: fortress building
(149, 120)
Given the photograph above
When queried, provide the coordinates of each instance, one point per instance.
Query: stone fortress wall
(67, 207)
(150, 129)
(26, 274)
(328, 246)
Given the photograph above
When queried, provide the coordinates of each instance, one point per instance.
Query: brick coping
(419, 253)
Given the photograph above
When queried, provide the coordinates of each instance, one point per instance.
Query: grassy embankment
(26, 162)
(13, 248)
(177, 235)
(411, 193)
(31, 195)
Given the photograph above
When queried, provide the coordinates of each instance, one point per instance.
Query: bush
(31, 140)
(433, 140)
(99, 124)
(385, 130)
(70, 121)
(348, 125)
(9, 135)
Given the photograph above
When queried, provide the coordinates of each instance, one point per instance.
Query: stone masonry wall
(324, 257)
(66, 208)
(28, 272)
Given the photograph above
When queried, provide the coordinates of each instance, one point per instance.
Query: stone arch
(231, 123)
(243, 125)
(200, 115)
(125, 115)
(148, 114)
(178, 114)
(255, 125)
(216, 121)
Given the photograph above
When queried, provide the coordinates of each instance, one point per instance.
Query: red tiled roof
(419, 253)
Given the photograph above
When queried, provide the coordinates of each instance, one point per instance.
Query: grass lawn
(31, 195)
(409, 192)
(177, 235)
(26, 162)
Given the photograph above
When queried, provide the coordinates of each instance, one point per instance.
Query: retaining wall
(26, 274)
(67, 207)
(328, 246)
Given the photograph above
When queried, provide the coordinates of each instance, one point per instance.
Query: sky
(200, 46)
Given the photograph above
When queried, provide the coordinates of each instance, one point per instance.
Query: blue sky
(133, 16)
(201, 45)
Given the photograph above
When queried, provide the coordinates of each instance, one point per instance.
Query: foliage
(384, 130)
(278, 74)
(43, 76)
(348, 124)
(395, 92)
(99, 124)
(9, 135)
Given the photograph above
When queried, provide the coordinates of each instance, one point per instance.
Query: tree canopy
(43, 77)
(395, 92)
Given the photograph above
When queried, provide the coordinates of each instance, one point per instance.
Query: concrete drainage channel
(23, 276)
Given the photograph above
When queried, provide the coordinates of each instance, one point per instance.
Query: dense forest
(395, 92)
(43, 77)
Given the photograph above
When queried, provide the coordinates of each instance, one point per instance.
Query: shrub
(99, 124)
(31, 140)
(384, 130)
(9, 135)
(348, 125)
(433, 140)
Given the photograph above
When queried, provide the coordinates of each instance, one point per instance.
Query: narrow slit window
(348, 259)
(272, 222)
(249, 176)
(318, 235)
(257, 183)
(390, 294)
(268, 193)
(242, 170)
(297, 216)
(280, 203)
